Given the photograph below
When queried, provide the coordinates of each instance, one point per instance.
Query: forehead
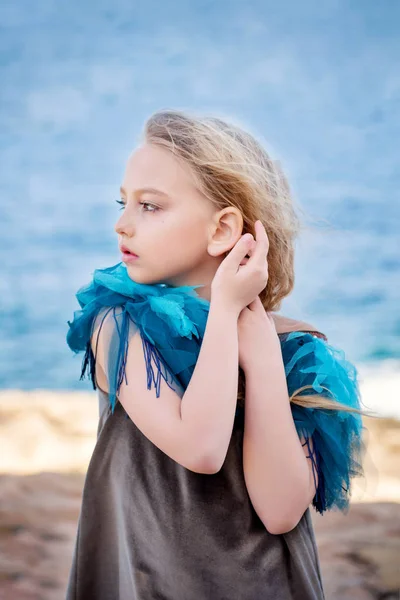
(152, 166)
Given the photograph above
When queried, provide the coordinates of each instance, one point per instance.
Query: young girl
(221, 421)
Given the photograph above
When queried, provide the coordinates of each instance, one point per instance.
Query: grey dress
(152, 529)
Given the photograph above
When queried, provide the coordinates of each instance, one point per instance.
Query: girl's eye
(155, 208)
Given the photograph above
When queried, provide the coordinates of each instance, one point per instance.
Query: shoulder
(285, 325)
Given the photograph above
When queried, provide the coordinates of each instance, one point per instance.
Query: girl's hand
(238, 281)
(256, 330)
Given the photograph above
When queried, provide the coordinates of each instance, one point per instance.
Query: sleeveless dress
(150, 529)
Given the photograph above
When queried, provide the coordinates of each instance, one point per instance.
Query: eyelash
(141, 203)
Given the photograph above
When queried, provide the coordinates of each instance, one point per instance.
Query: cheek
(189, 232)
(182, 238)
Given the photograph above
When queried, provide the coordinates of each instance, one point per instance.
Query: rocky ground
(46, 441)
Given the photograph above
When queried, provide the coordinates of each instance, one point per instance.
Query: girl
(221, 421)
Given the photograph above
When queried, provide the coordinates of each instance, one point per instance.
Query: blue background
(318, 83)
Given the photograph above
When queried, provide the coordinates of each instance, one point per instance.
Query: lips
(125, 250)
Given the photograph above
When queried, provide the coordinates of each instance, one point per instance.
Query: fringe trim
(89, 365)
(319, 500)
(152, 353)
(89, 359)
(122, 350)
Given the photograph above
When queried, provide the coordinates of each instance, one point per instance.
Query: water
(79, 79)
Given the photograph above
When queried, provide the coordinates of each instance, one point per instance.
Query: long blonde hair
(231, 168)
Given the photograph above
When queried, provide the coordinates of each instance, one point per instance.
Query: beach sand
(47, 439)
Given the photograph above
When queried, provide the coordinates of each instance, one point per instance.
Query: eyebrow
(146, 189)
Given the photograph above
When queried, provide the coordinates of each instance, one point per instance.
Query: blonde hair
(231, 168)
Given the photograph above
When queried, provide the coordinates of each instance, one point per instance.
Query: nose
(124, 225)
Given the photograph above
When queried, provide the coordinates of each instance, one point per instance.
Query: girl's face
(166, 221)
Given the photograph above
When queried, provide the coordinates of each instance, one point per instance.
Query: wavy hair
(232, 168)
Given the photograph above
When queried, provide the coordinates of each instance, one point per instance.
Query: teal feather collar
(172, 321)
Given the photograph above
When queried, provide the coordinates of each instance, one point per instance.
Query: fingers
(239, 251)
(260, 251)
(257, 248)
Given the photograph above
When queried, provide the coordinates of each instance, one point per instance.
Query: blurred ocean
(320, 88)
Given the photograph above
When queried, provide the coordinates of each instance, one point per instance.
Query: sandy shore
(47, 439)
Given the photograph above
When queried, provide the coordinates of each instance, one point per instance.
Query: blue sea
(319, 85)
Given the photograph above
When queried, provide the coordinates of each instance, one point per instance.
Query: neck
(202, 275)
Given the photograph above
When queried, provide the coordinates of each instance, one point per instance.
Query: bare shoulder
(285, 324)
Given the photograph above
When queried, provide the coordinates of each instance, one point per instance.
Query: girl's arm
(193, 427)
(278, 475)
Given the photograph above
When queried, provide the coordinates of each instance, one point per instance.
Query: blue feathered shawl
(172, 321)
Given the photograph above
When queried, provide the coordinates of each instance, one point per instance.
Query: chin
(141, 278)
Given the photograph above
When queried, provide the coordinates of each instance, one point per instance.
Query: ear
(225, 230)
